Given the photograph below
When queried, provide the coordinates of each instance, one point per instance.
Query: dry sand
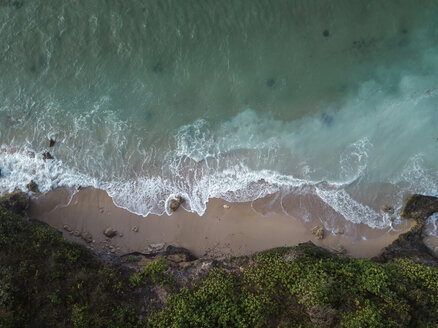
(237, 230)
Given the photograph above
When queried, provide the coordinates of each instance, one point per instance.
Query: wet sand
(221, 231)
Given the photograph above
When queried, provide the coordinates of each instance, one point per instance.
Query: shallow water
(334, 102)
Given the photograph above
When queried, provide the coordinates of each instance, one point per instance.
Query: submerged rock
(110, 232)
(326, 33)
(32, 186)
(271, 82)
(175, 203)
(47, 155)
(158, 67)
(16, 201)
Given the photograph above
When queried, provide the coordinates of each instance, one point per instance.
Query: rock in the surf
(32, 186)
(47, 155)
(16, 201)
(388, 209)
(110, 232)
(51, 142)
(419, 207)
(175, 203)
(411, 244)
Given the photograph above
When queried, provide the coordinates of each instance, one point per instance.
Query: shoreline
(223, 231)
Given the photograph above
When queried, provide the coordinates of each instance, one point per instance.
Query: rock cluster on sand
(87, 237)
(175, 203)
(318, 232)
(110, 232)
(16, 201)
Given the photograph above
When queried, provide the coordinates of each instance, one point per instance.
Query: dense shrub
(46, 281)
(312, 290)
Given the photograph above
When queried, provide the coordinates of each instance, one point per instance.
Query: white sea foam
(147, 135)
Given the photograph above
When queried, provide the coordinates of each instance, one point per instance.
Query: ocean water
(322, 106)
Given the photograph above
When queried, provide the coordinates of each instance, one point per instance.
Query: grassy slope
(46, 281)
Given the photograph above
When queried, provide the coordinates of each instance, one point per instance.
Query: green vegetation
(314, 289)
(153, 273)
(46, 281)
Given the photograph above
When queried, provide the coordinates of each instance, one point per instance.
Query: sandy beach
(226, 229)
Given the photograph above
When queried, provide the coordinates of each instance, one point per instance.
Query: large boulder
(175, 203)
(419, 207)
(16, 201)
(110, 232)
(411, 244)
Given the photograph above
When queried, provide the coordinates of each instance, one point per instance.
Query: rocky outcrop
(16, 201)
(411, 244)
(419, 207)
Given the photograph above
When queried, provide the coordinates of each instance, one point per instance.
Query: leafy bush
(46, 281)
(313, 290)
(152, 273)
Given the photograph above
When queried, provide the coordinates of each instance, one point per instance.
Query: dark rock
(16, 201)
(17, 4)
(326, 33)
(419, 207)
(388, 209)
(47, 155)
(411, 243)
(32, 186)
(327, 119)
(110, 232)
(175, 203)
(51, 142)
(182, 252)
(158, 67)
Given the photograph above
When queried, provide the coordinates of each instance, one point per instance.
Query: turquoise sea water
(322, 104)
